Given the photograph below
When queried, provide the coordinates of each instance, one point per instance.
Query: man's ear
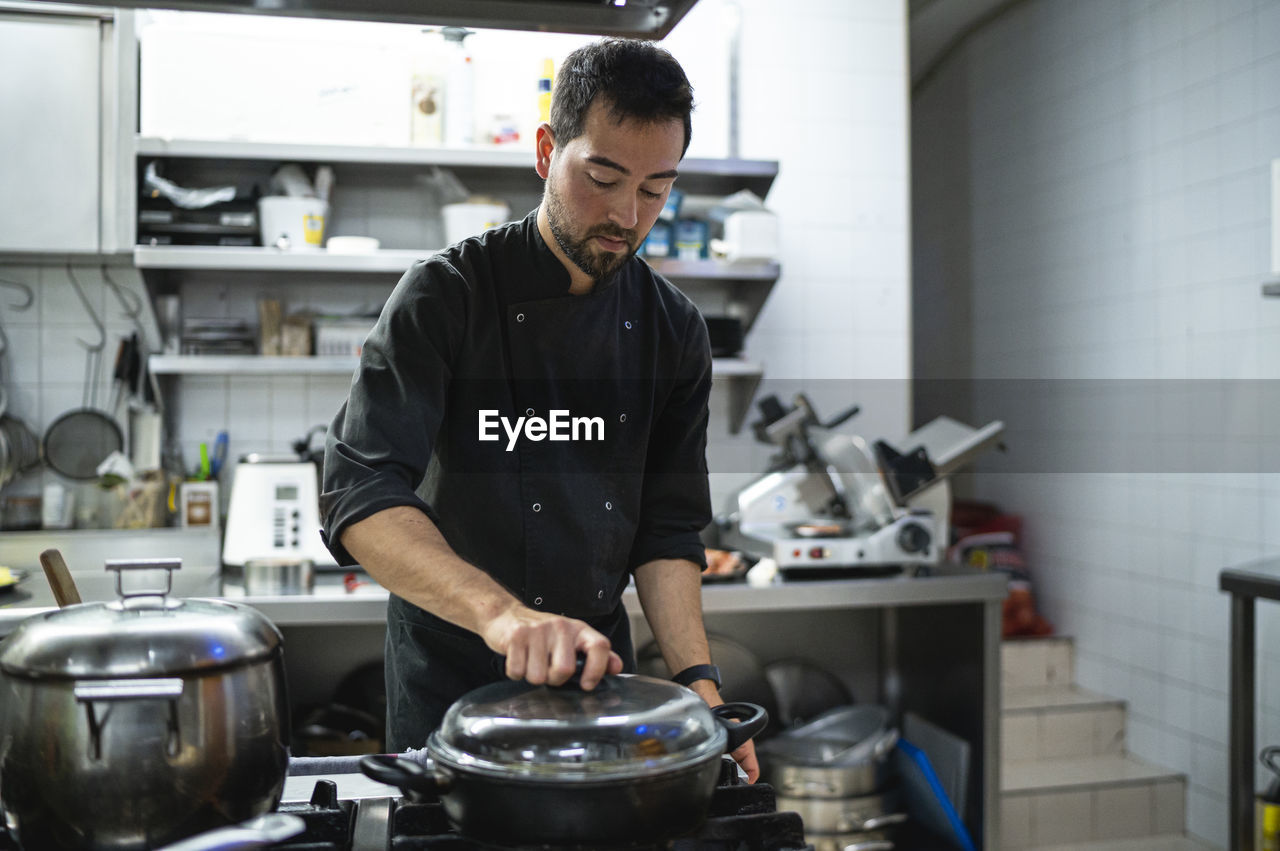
(544, 144)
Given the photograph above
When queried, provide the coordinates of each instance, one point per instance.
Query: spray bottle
(459, 100)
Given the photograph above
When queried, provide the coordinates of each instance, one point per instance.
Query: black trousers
(430, 663)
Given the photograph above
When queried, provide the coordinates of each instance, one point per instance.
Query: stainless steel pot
(634, 760)
(840, 754)
(873, 840)
(843, 815)
(140, 722)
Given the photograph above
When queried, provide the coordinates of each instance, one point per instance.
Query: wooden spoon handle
(64, 587)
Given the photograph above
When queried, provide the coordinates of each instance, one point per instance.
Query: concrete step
(1037, 661)
(1052, 721)
(1064, 801)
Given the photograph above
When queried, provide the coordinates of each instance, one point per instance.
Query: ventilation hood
(638, 18)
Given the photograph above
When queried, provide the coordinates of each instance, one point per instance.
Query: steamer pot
(140, 722)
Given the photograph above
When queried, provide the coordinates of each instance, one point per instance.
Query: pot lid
(138, 637)
(626, 726)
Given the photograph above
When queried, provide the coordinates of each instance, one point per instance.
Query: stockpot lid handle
(168, 565)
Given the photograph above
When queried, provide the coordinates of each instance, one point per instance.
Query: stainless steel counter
(331, 603)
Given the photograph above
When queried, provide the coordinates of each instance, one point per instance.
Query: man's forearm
(404, 551)
(670, 592)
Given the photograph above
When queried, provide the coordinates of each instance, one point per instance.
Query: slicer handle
(841, 417)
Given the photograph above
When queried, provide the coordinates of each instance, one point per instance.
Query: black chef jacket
(486, 332)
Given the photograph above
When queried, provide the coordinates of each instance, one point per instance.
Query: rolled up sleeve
(381, 441)
(676, 499)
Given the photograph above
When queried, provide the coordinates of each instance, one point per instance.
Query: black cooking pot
(634, 760)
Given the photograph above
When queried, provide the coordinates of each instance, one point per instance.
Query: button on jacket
(557, 441)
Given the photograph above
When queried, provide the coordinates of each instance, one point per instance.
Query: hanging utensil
(77, 442)
(60, 579)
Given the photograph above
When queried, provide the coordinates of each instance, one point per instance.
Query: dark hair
(636, 79)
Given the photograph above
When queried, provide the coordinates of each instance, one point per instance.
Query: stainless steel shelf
(260, 365)
(254, 258)
(1271, 288)
(475, 157)
(765, 271)
(217, 257)
(250, 365)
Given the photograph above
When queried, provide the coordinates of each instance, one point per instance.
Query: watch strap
(693, 673)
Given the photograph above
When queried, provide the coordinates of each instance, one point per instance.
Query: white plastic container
(295, 223)
(470, 218)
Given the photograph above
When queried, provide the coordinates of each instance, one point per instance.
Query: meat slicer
(829, 502)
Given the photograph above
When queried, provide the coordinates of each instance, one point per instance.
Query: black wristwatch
(693, 673)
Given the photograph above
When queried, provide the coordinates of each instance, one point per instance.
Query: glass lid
(628, 725)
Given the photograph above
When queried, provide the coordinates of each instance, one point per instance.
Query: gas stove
(742, 818)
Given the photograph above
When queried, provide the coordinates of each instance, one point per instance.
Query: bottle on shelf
(544, 91)
(459, 101)
(427, 92)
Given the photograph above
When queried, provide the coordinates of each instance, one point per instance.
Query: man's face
(605, 188)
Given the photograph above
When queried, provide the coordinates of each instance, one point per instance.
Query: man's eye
(649, 194)
(602, 184)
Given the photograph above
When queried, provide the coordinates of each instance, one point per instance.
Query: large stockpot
(634, 760)
(139, 722)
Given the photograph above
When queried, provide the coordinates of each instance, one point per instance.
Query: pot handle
(417, 783)
(877, 822)
(751, 720)
(870, 845)
(90, 692)
(255, 833)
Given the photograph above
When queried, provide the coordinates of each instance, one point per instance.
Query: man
(546, 394)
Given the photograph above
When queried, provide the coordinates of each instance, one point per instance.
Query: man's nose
(624, 213)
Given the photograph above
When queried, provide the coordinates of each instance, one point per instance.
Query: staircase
(1066, 781)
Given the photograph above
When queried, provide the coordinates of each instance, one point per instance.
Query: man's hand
(543, 648)
(745, 755)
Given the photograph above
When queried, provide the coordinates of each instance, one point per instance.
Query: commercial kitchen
(993, 291)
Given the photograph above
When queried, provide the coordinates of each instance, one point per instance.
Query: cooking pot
(871, 840)
(840, 754)
(634, 760)
(842, 815)
(140, 722)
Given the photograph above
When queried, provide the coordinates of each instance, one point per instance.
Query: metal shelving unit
(255, 258)
(738, 289)
(260, 365)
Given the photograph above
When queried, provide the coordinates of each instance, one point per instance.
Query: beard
(581, 250)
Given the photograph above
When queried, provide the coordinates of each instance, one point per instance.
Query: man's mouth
(610, 243)
(612, 240)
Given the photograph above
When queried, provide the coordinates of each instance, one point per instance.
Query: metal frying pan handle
(751, 720)
(417, 783)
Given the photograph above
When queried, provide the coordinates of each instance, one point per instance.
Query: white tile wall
(823, 91)
(1100, 178)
